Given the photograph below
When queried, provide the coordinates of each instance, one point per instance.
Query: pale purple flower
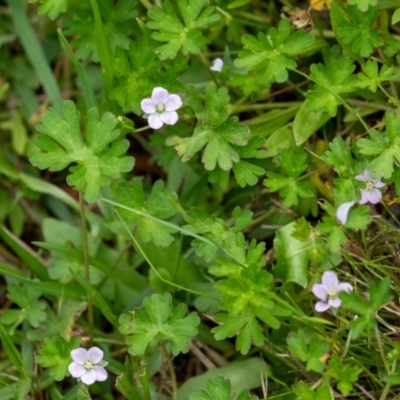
(343, 211)
(88, 365)
(328, 291)
(371, 193)
(217, 65)
(161, 107)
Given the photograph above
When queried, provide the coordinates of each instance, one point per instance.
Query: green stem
(86, 260)
(345, 104)
(381, 351)
(390, 213)
(385, 92)
(266, 106)
(346, 347)
(143, 142)
(385, 391)
(175, 227)
(171, 368)
(143, 128)
(139, 248)
(388, 385)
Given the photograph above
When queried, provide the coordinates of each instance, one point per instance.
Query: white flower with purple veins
(161, 108)
(217, 65)
(88, 365)
(371, 193)
(328, 291)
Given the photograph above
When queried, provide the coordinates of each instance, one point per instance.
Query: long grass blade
(47, 288)
(35, 52)
(25, 253)
(105, 56)
(98, 299)
(87, 90)
(75, 255)
(11, 350)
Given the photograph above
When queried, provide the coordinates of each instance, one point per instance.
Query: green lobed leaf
(272, 53)
(246, 324)
(304, 392)
(53, 8)
(364, 39)
(179, 24)
(161, 203)
(220, 388)
(99, 157)
(346, 374)
(293, 163)
(214, 131)
(339, 157)
(61, 324)
(363, 5)
(338, 15)
(158, 321)
(371, 77)
(378, 296)
(308, 349)
(116, 17)
(56, 355)
(138, 71)
(31, 309)
(333, 78)
(384, 146)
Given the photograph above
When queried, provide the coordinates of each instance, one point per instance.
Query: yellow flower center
(160, 108)
(369, 185)
(332, 292)
(88, 365)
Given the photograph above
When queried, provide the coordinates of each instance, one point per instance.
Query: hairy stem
(86, 260)
(170, 364)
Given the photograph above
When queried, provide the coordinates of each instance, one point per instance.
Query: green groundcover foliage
(199, 199)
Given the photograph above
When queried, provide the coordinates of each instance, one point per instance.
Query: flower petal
(361, 178)
(159, 95)
(148, 106)
(364, 196)
(321, 306)
(101, 373)
(155, 121)
(79, 355)
(335, 303)
(173, 103)
(345, 287)
(169, 117)
(76, 370)
(217, 65)
(95, 355)
(374, 196)
(343, 211)
(330, 280)
(321, 291)
(378, 184)
(89, 377)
